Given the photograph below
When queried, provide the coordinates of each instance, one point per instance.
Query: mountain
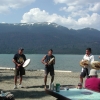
(39, 37)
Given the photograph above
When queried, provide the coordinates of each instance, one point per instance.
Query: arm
(43, 60)
(14, 61)
(85, 83)
(54, 61)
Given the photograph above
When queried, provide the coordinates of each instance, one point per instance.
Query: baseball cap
(21, 48)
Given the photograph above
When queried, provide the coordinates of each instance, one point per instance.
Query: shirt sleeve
(92, 58)
(15, 57)
(24, 58)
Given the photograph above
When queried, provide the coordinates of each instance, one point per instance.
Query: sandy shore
(33, 88)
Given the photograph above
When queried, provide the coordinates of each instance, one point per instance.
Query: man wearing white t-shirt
(85, 71)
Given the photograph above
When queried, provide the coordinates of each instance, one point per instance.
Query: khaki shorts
(19, 71)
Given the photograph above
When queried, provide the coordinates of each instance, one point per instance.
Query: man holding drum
(19, 60)
(85, 70)
(49, 66)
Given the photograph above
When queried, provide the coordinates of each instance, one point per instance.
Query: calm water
(63, 62)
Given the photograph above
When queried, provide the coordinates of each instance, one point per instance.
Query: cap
(21, 48)
(93, 72)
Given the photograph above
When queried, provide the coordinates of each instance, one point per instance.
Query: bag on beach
(10, 97)
(7, 96)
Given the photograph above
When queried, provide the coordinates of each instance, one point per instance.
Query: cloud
(77, 2)
(37, 15)
(3, 22)
(6, 5)
(4, 9)
(95, 7)
(72, 2)
(80, 8)
(90, 21)
(79, 5)
(70, 8)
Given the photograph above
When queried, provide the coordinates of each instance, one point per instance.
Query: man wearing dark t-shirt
(19, 60)
(48, 68)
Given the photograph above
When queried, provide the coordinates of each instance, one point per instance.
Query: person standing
(19, 60)
(48, 68)
(85, 70)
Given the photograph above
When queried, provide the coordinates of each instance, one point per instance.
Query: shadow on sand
(28, 94)
(3, 78)
(39, 86)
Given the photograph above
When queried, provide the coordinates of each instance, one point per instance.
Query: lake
(63, 61)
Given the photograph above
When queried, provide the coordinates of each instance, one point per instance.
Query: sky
(76, 14)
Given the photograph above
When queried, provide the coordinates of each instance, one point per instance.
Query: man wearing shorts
(48, 68)
(85, 71)
(19, 60)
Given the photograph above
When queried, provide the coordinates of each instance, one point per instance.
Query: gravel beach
(33, 84)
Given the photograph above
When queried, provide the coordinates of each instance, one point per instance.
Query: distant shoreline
(44, 54)
(7, 68)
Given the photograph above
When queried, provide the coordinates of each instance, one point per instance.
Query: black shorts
(19, 71)
(49, 70)
(84, 73)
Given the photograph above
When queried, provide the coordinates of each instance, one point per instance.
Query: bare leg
(20, 80)
(52, 79)
(15, 80)
(81, 79)
(45, 81)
